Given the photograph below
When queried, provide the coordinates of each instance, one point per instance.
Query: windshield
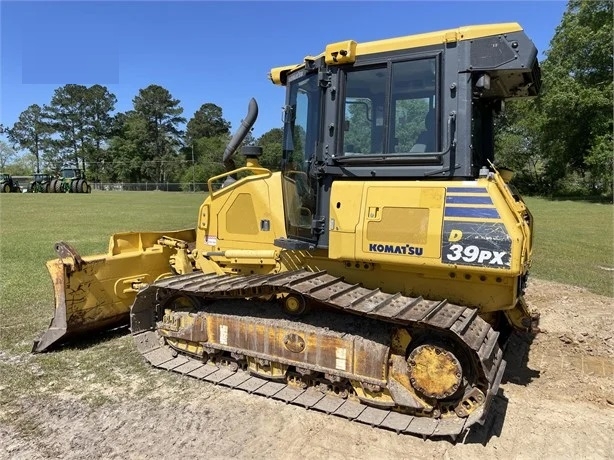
(391, 109)
(301, 134)
(68, 173)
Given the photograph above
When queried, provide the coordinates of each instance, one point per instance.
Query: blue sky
(204, 51)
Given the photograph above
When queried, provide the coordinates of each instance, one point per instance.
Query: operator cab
(68, 172)
(418, 107)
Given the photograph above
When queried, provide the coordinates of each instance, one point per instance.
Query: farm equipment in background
(8, 184)
(70, 180)
(376, 277)
(41, 183)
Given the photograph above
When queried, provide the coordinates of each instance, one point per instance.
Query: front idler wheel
(435, 371)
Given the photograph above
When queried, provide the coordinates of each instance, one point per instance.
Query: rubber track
(334, 292)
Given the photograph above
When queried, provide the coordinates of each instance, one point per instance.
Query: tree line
(559, 143)
(145, 144)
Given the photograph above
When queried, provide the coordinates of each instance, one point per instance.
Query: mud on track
(556, 401)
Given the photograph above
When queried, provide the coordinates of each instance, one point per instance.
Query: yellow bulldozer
(376, 276)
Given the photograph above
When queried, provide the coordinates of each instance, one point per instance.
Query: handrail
(256, 170)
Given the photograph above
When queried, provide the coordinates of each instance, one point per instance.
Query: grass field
(30, 224)
(573, 241)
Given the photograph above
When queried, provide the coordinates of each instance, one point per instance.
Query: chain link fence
(153, 186)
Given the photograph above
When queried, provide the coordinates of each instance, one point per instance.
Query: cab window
(391, 109)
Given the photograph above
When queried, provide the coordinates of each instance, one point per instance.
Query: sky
(205, 51)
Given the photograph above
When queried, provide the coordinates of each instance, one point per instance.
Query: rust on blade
(80, 305)
(57, 328)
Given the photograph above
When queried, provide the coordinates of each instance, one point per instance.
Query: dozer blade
(94, 293)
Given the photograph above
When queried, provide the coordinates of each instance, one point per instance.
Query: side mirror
(499, 106)
(483, 82)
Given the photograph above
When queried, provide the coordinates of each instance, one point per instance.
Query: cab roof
(345, 52)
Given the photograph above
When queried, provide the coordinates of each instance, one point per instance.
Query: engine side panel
(464, 241)
(437, 238)
(244, 217)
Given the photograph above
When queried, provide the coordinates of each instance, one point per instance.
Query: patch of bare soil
(556, 401)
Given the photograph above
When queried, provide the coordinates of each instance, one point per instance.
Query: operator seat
(426, 139)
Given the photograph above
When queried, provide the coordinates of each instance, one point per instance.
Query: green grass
(31, 223)
(574, 243)
(107, 369)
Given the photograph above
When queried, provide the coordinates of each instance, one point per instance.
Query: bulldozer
(376, 276)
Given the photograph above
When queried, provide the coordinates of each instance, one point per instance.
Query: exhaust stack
(246, 125)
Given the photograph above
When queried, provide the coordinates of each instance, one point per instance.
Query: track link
(334, 292)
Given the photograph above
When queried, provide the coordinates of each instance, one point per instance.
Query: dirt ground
(556, 401)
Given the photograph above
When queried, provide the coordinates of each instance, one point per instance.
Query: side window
(357, 125)
(392, 109)
(365, 93)
(414, 127)
(413, 111)
(299, 135)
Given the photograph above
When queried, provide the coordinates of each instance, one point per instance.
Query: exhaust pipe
(246, 125)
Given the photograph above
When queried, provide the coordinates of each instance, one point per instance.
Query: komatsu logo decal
(396, 249)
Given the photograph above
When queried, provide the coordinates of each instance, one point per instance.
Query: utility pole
(193, 182)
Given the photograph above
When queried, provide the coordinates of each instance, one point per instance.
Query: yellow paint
(400, 225)
(520, 316)
(203, 217)
(192, 348)
(411, 214)
(278, 74)
(241, 216)
(361, 213)
(455, 235)
(436, 38)
(99, 292)
(272, 370)
(181, 262)
(340, 53)
(354, 206)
